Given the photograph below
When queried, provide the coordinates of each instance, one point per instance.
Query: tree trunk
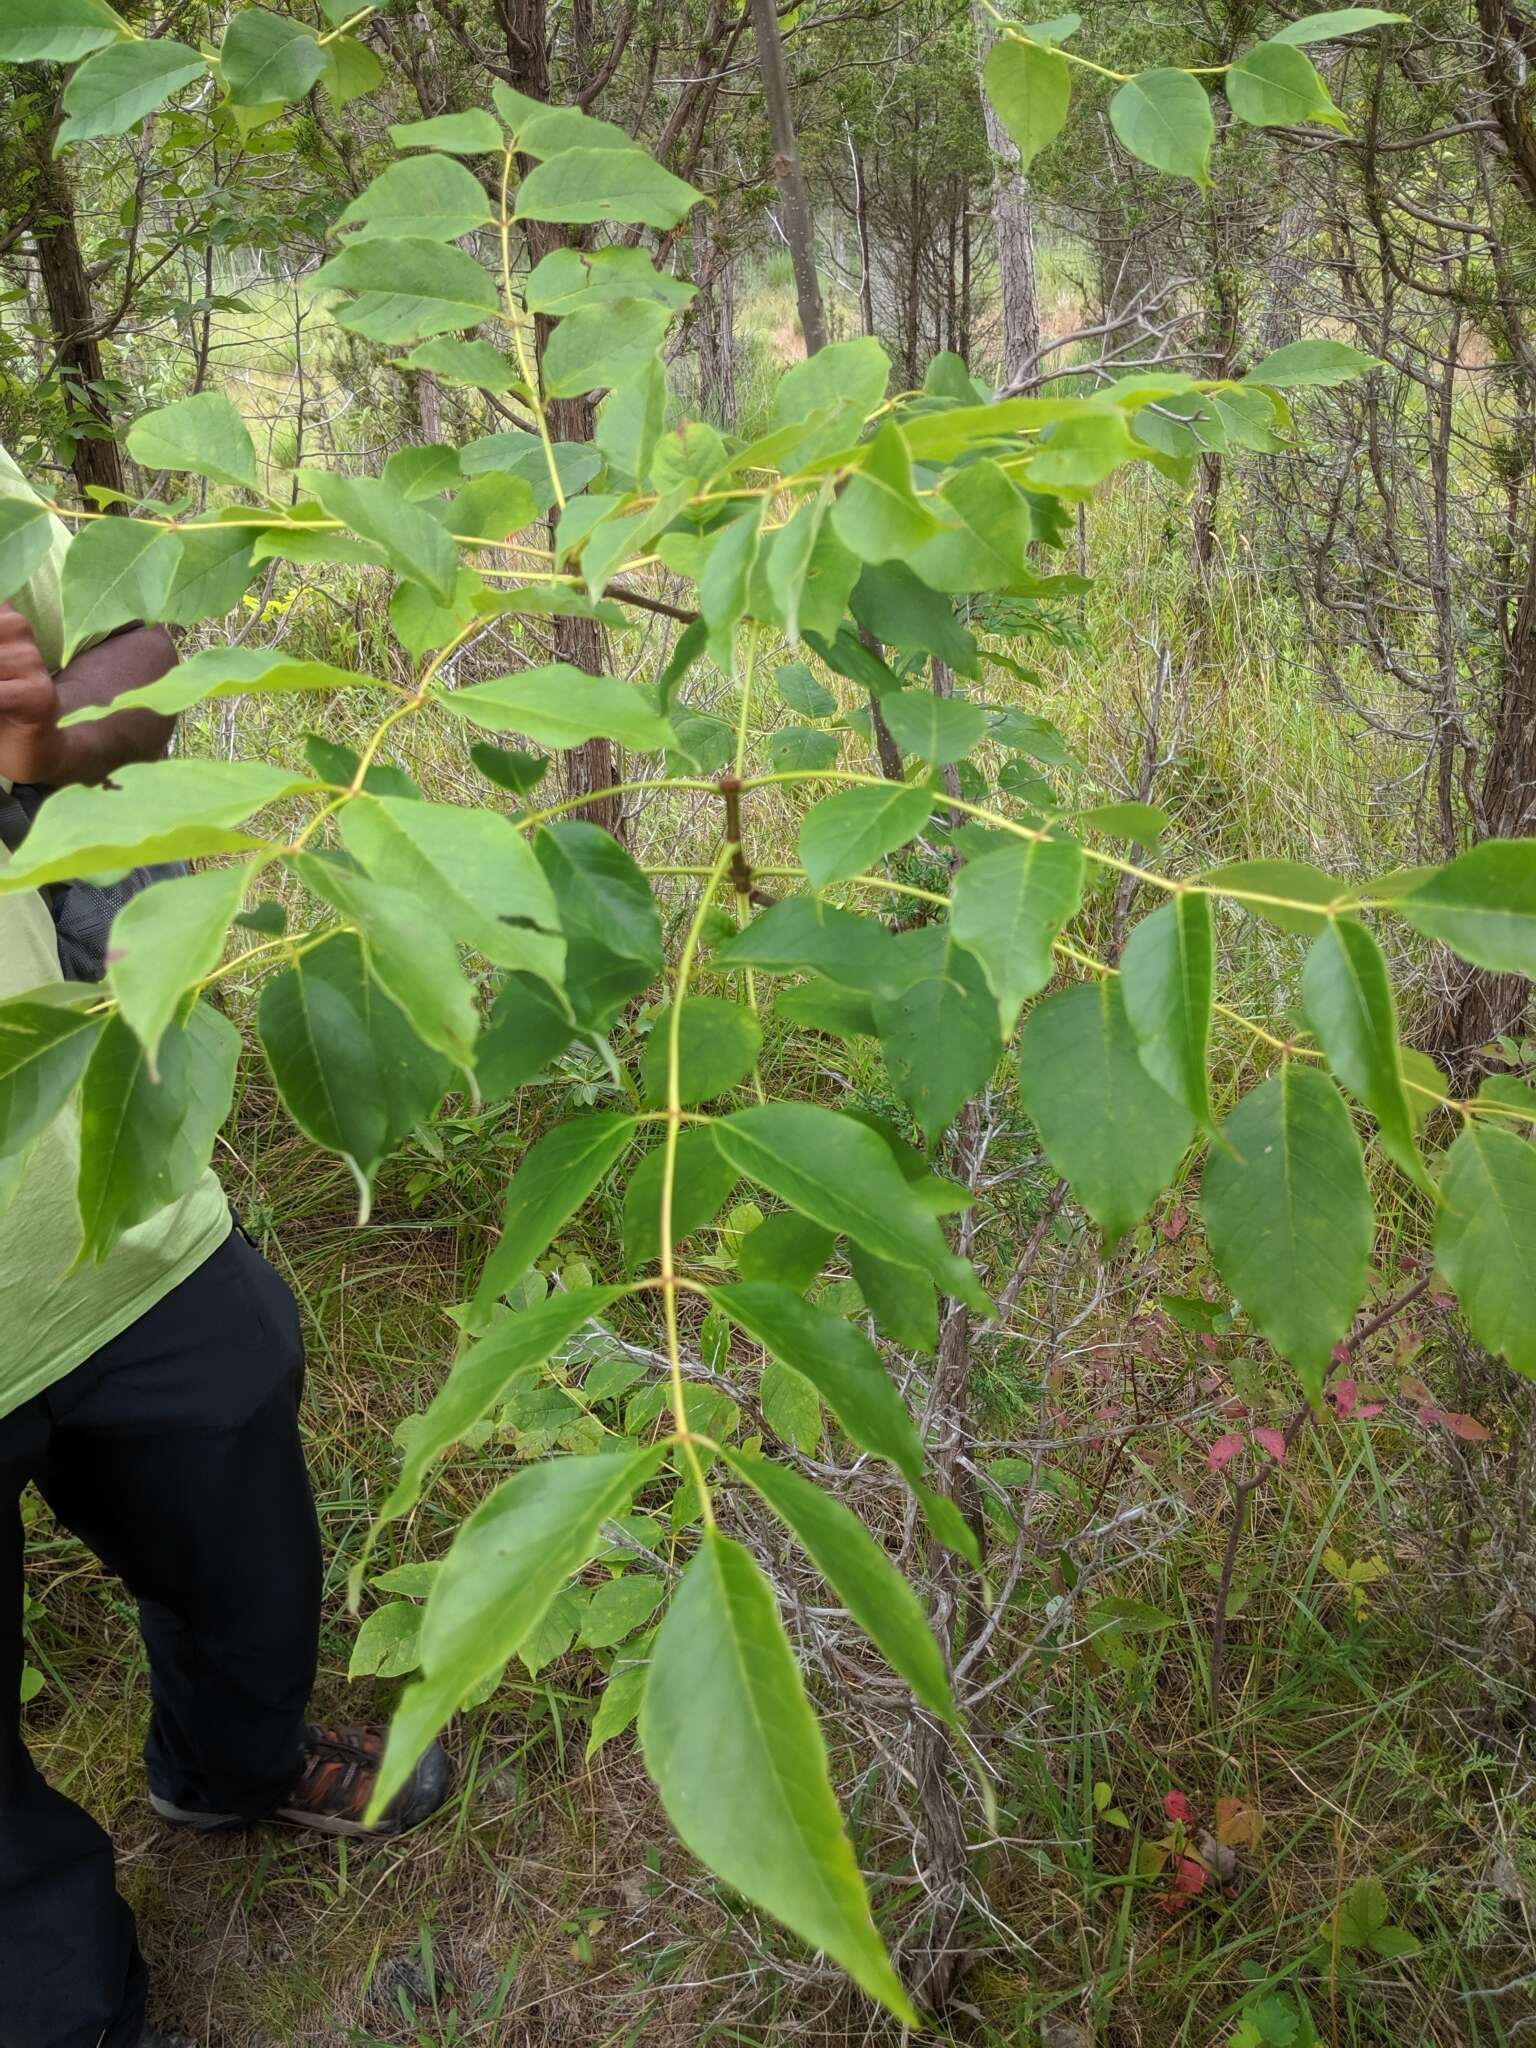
(1013, 230)
(861, 221)
(797, 220)
(1477, 1005)
(594, 764)
(97, 458)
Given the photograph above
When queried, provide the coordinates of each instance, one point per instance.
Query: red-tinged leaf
(1443, 1300)
(1346, 1398)
(1367, 1409)
(1273, 1441)
(1174, 1223)
(1177, 1807)
(1429, 1414)
(1415, 1390)
(1467, 1427)
(1221, 1453)
(1342, 1352)
(1208, 1342)
(1189, 1878)
(1235, 1410)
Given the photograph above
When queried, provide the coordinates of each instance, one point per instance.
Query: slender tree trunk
(796, 217)
(594, 764)
(97, 457)
(861, 222)
(1013, 231)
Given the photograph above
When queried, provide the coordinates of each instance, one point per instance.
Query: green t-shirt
(52, 1319)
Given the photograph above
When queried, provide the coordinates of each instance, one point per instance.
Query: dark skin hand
(34, 748)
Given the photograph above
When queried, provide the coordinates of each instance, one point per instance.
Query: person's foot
(334, 1788)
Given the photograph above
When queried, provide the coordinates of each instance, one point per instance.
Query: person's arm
(33, 747)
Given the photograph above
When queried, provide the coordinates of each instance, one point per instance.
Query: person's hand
(32, 748)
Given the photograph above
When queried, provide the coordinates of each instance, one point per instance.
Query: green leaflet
(718, 1044)
(225, 672)
(858, 1571)
(415, 544)
(1485, 1239)
(786, 1248)
(618, 1607)
(940, 729)
(146, 1138)
(55, 31)
(43, 1051)
(1008, 907)
(594, 350)
(116, 571)
(608, 915)
(1273, 84)
(387, 1644)
(1348, 996)
(579, 280)
(407, 950)
(1482, 905)
(1164, 119)
(152, 811)
(26, 534)
(903, 1303)
(165, 939)
(121, 84)
(1167, 977)
(407, 289)
(1318, 362)
(1288, 1215)
(791, 1406)
(431, 197)
(556, 1176)
(560, 706)
(701, 1188)
(1030, 87)
(940, 1033)
(803, 932)
(474, 870)
(268, 60)
(352, 1073)
(845, 833)
(1107, 1127)
(481, 1381)
(214, 572)
(878, 514)
(475, 132)
(581, 186)
(529, 1027)
(1278, 891)
(901, 611)
(739, 1761)
(1338, 21)
(203, 434)
(475, 363)
(838, 1360)
(508, 1563)
(841, 1174)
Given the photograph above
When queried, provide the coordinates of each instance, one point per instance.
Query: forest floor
(1371, 1717)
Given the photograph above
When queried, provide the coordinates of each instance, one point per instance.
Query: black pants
(174, 1453)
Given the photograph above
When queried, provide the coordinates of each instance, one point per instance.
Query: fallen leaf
(1223, 1451)
(1467, 1427)
(1177, 1807)
(1345, 1397)
(1220, 1858)
(1238, 1825)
